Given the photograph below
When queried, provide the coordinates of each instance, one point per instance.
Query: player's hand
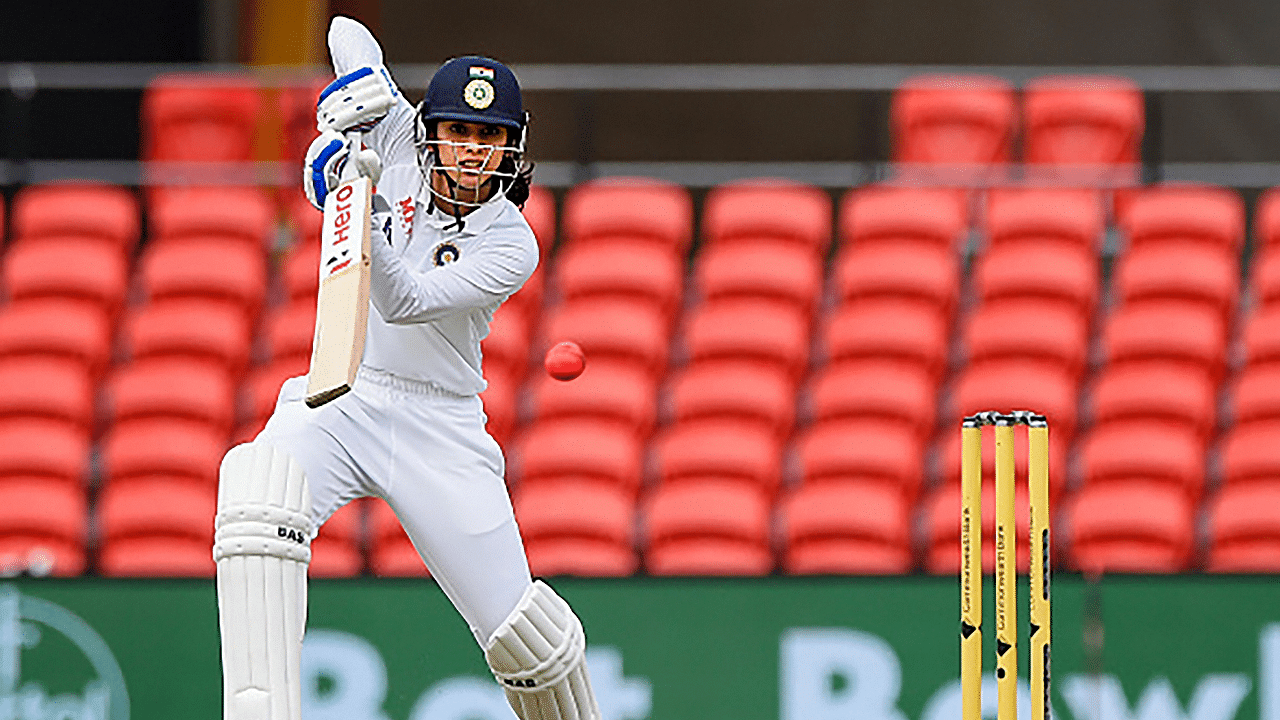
(326, 162)
(356, 101)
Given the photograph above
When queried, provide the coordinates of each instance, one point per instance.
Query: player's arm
(364, 97)
(403, 295)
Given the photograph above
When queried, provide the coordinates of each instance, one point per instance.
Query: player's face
(469, 151)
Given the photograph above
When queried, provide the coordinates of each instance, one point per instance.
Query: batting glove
(326, 162)
(356, 101)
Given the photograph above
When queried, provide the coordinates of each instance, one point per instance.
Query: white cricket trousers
(427, 453)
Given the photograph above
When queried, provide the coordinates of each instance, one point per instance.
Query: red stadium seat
(942, 528)
(507, 344)
(1249, 453)
(1266, 226)
(1189, 334)
(766, 269)
(44, 449)
(846, 527)
(949, 458)
(290, 329)
(206, 269)
(337, 551)
(764, 209)
(707, 527)
(1244, 529)
(1181, 271)
(173, 388)
(56, 329)
(865, 450)
(528, 299)
(725, 449)
(580, 449)
(889, 392)
(499, 398)
(887, 330)
(48, 389)
(100, 212)
(154, 528)
(1153, 452)
(1156, 391)
(1018, 385)
(540, 212)
(72, 268)
(190, 328)
(730, 390)
(263, 387)
(925, 274)
(1030, 331)
(296, 106)
(1255, 395)
(300, 270)
(391, 553)
(1041, 216)
(953, 119)
(1045, 272)
(1204, 214)
(642, 271)
(606, 392)
(1130, 527)
(637, 208)
(164, 447)
(44, 517)
(1082, 120)
(1261, 336)
(751, 331)
(883, 213)
(618, 329)
(202, 117)
(1264, 280)
(302, 218)
(229, 213)
(577, 528)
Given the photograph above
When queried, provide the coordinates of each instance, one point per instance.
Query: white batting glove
(356, 101)
(325, 166)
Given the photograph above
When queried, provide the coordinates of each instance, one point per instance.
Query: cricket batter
(449, 246)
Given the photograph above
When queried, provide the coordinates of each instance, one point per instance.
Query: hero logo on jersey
(445, 253)
(479, 92)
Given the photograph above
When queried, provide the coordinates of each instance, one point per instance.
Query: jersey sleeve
(392, 138)
(497, 269)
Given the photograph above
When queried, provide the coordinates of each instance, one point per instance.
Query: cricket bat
(342, 306)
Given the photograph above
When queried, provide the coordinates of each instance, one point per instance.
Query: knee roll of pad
(264, 506)
(262, 546)
(537, 656)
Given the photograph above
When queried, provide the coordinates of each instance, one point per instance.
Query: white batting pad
(352, 46)
(537, 655)
(262, 545)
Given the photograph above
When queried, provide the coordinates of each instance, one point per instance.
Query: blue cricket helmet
(475, 89)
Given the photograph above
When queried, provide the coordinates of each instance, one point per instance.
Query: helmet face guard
(471, 89)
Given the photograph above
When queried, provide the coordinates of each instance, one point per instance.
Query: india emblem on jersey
(445, 253)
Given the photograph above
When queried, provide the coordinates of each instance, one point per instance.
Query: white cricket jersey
(435, 287)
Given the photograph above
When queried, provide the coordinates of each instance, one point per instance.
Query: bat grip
(350, 171)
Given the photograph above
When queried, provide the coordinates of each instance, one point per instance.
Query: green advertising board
(1130, 648)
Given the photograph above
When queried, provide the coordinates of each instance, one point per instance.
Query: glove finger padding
(356, 101)
(323, 166)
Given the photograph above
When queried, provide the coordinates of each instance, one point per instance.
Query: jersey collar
(473, 223)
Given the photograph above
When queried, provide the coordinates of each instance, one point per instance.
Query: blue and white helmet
(479, 90)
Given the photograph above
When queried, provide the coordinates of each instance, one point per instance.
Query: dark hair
(518, 191)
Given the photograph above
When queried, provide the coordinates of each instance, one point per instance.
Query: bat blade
(342, 305)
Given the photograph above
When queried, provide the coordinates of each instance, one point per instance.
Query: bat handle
(350, 171)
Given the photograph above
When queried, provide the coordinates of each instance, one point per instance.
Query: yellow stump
(971, 570)
(1006, 574)
(1038, 487)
